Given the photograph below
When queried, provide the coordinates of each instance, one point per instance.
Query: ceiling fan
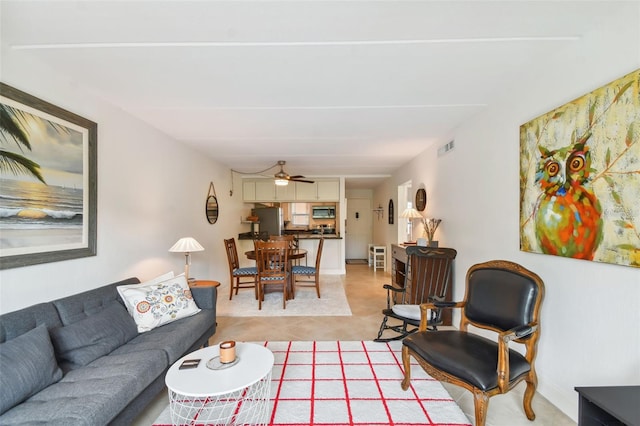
(282, 178)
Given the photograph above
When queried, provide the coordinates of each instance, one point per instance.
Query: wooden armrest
(503, 351)
(424, 307)
(518, 332)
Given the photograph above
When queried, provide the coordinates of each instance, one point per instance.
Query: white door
(358, 230)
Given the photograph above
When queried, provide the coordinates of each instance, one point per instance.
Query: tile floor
(366, 298)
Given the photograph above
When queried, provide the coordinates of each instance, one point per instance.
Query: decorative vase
(433, 243)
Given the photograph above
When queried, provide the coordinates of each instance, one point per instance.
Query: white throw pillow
(132, 308)
(159, 303)
(408, 311)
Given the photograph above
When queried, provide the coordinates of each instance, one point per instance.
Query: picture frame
(580, 177)
(49, 180)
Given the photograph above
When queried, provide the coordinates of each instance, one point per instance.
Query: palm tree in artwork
(12, 126)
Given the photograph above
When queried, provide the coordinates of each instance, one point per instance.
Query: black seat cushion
(471, 358)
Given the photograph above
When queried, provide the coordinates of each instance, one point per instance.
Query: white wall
(591, 311)
(151, 192)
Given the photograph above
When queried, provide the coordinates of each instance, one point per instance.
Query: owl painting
(580, 177)
(567, 216)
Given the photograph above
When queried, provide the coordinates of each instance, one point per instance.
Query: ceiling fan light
(282, 182)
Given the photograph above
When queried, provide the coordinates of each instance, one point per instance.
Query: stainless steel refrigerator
(270, 220)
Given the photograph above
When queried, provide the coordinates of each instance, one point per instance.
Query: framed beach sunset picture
(48, 184)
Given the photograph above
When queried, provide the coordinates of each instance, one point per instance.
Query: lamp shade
(186, 245)
(282, 182)
(411, 213)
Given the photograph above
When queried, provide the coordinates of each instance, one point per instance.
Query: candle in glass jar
(227, 351)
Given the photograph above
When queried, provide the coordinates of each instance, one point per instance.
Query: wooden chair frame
(528, 335)
(238, 281)
(272, 261)
(429, 274)
(316, 274)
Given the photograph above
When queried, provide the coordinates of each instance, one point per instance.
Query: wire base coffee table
(222, 394)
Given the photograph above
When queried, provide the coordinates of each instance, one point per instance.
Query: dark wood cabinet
(609, 405)
(399, 269)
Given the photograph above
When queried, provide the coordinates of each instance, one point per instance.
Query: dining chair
(239, 277)
(293, 244)
(309, 271)
(272, 261)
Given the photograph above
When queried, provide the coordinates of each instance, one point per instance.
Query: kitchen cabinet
(328, 190)
(320, 190)
(267, 190)
(248, 191)
(306, 191)
(286, 193)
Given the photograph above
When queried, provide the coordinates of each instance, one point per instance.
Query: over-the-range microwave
(323, 212)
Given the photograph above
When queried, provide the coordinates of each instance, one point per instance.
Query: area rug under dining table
(351, 383)
(332, 301)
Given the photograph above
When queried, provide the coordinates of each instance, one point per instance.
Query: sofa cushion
(79, 306)
(27, 365)
(92, 395)
(176, 338)
(80, 343)
(160, 303)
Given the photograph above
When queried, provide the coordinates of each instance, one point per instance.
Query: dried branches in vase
(430, 225)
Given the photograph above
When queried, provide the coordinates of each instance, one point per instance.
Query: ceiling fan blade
(302, 180)
(297, 177)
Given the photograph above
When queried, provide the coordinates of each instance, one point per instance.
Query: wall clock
(421, 199)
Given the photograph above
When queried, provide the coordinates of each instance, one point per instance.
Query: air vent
(445, 148)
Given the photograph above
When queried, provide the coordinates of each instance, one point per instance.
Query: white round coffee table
(221, 395)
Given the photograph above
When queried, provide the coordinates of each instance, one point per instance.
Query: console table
(609, 405)
(399, 261)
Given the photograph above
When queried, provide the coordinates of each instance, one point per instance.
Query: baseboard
(567, 402)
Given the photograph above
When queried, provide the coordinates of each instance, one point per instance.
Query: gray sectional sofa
(81, 361)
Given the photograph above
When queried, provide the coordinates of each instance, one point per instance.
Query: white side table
(234, 395)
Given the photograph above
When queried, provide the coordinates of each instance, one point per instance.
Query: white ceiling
(354, 88)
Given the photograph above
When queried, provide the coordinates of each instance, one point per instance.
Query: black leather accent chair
(505, 298)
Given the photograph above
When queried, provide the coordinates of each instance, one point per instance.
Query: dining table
(294, 254)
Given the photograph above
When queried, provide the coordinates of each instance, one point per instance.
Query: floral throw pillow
(159, 303)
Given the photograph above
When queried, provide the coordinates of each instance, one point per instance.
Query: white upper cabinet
(328, 190)
(320, 190)
(248, 190)
(306, 191)
(286, 193)
(267, 190)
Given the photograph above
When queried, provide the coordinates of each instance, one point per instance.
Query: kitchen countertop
(318, 236)
(300, 236)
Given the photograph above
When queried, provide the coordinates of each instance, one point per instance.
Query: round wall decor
(211, 205)
(421, 199)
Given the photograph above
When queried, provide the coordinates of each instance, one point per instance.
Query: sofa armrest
(205, 297)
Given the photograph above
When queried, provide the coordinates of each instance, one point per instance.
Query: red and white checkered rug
(351, 383)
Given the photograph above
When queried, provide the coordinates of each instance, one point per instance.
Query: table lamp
(186, 245)
(410, 214)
